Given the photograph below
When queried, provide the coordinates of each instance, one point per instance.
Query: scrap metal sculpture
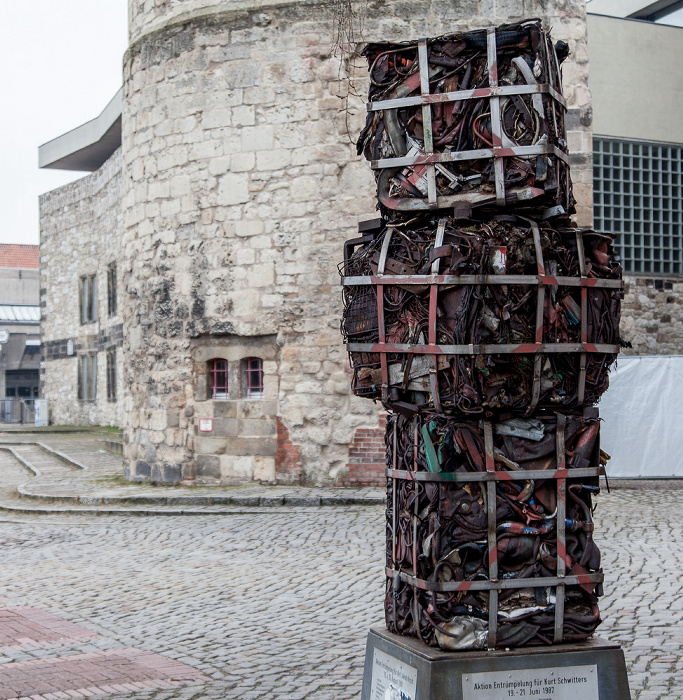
(486, 323)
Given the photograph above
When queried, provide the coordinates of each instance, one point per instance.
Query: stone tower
(240, 184)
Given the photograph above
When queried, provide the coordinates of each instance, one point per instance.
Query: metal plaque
(559, 683)
(4, 336)
(392, 679)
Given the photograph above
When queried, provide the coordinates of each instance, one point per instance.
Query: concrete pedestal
(403, 668)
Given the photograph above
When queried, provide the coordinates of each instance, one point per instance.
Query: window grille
(111, 375)
(87, 377)
(218, 379)
(88, 298)
(637, 194)
(252, 377)
(111, 289)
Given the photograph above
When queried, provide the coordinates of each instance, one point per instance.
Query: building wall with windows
(19, 327)
(241, 184)
(638, 170)
(82, 334)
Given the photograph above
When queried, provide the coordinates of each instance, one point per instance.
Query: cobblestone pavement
(276, 602)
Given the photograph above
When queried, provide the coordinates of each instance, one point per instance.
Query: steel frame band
(477, 154)
(500, 585)
(474, 94)
(502, 349)
(521, 475)
(532, 280)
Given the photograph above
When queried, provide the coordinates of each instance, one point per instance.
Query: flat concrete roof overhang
(88, 146)
(635, 9)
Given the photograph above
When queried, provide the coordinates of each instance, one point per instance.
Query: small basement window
(218, 379)
(252, 378)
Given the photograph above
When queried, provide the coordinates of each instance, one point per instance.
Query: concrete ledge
(88, 146)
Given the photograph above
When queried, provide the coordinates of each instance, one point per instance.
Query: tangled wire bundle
(474, 320)
(437, 530)
(463, 125)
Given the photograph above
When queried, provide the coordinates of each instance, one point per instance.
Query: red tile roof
(22, 256)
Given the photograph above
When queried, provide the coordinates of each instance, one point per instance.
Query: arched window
(218, 379)
(252, 378)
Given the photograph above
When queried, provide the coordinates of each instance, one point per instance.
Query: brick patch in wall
(100, 673)
(367, 458)
(288, 468)
(30, 628)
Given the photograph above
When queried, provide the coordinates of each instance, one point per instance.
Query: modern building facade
(221, 193)
(637, 93)
(19, 329)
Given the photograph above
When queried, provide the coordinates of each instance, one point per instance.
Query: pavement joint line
(24, 462)
(60, 455)
(236, 510)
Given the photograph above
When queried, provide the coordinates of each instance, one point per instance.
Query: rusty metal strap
(522, 475)
(502, 585)
(476, 154)
(474, 94)
(560, 448)
(532, 280)
(502, 349)
(491, 535)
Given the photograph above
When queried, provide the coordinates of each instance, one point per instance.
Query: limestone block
(261, 275)
(248, 228)
(209, 445)
(229, 427)
(237, 467)
(257, 138)
(264, 469)
(209, 466)
(273, 160)
(232, 189)
(257, 427)
(243, 115)
(242, 162)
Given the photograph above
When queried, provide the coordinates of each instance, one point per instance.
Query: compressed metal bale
(479, 114)
(509, 312)
(440, 533)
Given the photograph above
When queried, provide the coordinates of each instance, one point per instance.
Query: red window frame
(252, 368)
(218, 379)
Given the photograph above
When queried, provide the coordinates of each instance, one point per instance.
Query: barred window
(252, 378)
(111, 289)
(88, 298)
(87, 377)
(637, 194)
(218, 379)
(111, 375)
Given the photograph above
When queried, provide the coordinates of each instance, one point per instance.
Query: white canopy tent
(642, 416)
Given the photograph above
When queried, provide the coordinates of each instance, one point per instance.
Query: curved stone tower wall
(240, 185)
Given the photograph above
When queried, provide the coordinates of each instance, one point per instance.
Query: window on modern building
(638, 195)
(252, 378)
(111, 375)
(87, 377)
(111, 289)
(218, 379)
(88, 298)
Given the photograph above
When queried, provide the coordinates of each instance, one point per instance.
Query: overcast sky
(60, 62)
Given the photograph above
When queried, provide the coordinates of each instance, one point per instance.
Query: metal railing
(17, 411)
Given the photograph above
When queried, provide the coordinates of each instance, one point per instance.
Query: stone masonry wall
(652, 315)
(241, 184)
(80, 233)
